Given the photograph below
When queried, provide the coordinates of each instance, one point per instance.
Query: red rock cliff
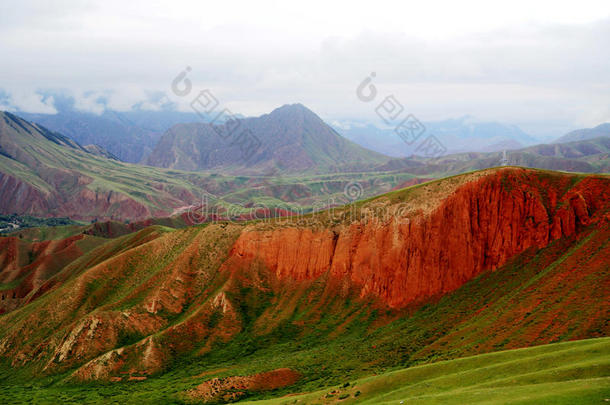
(405, 258)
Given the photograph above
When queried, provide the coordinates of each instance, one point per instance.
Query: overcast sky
(544, 65)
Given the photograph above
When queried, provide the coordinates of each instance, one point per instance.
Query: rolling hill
(588, 156)
(560, 373)
(492, 260)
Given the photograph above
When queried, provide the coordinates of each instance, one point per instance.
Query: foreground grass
(575, 372)
(564, 373)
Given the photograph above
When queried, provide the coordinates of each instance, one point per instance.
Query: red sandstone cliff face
(411, 257)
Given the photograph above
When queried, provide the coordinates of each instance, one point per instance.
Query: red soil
(231, 388)
(32, 264)
(413, 182)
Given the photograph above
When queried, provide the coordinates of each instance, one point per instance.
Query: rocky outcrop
(230, 389)
(415, 256)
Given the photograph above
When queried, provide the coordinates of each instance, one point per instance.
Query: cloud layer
(543, 65)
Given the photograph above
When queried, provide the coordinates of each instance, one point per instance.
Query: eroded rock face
(24, 197)
(232, 388)
(84, 204)
(409, 258)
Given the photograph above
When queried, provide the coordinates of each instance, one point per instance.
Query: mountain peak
(291, 137)
(292, 110)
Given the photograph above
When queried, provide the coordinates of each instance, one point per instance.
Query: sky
(542, 65)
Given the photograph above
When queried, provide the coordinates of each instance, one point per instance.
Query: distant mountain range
(291, 138)
(586, 133)
(46, 174)
(129, 136)
(299, 162)
(588, 156)
(132, 136)
(457, 135)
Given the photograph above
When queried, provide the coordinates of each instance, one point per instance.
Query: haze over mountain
(457, 135)
(48, 174)
(132, 135)
(128, 135)
(588, 156)
(586, 133)
(291, 138)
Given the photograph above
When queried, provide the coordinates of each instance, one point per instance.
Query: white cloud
(29, 101)
(90, 101)
(522, 61)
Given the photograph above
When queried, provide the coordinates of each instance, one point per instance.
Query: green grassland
(564, 373)
(575, 372)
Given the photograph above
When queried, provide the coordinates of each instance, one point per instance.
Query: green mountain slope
(47, 174)
(563, 373)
